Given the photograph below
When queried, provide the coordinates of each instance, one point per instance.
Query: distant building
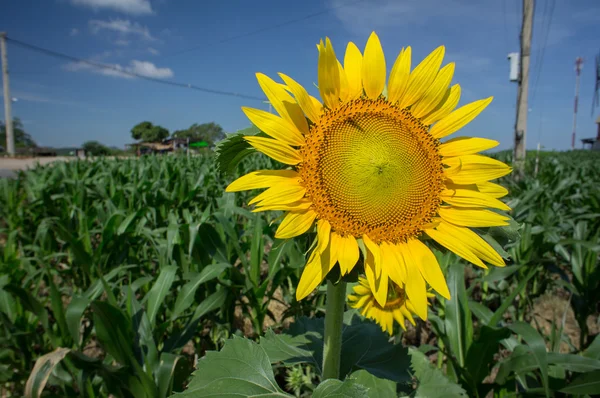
(166, 146)
(594, 143)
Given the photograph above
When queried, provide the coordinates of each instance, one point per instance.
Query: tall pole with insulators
(8, 122)
(523, 90)
(578, 65)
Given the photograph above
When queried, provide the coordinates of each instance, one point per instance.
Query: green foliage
(147, 132)
(22, 139)
(94, 148)
(116, 276)
(209, 132)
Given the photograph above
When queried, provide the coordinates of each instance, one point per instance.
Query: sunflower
(397, 307)
(370, 171)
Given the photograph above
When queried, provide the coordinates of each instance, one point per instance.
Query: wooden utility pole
(522, 109)
(578, 65)
(8, 122)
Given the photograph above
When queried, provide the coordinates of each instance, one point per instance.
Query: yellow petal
(323, 235)
(275, 149)
(491, 189)
(295, 223)
(435, 93)
(474, 169)
(312, 276)
(446, 106)
(344, 90)
(378, 284)
(304, 100)
(295, 206)
(399, 76)
(415, 284)
(353, 68)
(471, 198)
(459, 118)
(261, 179)
(454, 244)
(329, 75)
(476, 244)
(373, 68)
(280, 194)
(400, 277)
(472, 217)
(374, 249)
(429, 267)
(283, 102)
(334, 246)
(466, 146)
(390, 262)
(317, 104)
(275, 126)
(348, 253)
(421, 77)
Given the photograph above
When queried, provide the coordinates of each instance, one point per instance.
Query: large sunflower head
(397, 307)
(370, 169)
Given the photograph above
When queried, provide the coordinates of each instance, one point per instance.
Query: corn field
(142, 277)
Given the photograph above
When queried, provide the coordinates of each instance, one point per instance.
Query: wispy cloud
(153, 51)
(122, 42)
(122, 26)
(73, 32)
(51, 100)
(141, 68)
(134, 7)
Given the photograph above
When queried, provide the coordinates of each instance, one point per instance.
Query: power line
(542, 50)
(265, 29)
(122, 71)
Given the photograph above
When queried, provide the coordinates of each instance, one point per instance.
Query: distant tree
(209, 132)
(94, 148)
(22, 139)
(148, 132)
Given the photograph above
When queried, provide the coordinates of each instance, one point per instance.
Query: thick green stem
(334, 316)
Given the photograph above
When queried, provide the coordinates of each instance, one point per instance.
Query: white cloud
(121, 26)
(73, 32)
(153, 51)
(122, 42)
(134, 7)
(141, 68)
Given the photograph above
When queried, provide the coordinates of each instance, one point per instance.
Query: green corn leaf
(41, 372)
(587, 383)
(538, 347)
(458, 323)
(481, 353)
(159, 291)
(507, 302)
(73, 315)
(185, 298)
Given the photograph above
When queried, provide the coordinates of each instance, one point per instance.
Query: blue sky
(66, 104)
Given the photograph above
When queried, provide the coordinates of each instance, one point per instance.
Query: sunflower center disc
(371, 168)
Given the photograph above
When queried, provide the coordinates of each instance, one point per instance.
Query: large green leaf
(432, 382)
(364, 346)
(376, 387)
(233, 149)
(573, 363)
(348, 388)
(114, 331)
(240, 369)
